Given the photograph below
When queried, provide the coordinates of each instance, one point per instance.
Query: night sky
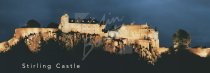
(167, 15)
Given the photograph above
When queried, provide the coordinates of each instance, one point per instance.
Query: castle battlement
(23, 32)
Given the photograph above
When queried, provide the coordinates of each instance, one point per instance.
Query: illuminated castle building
(141, 34)
(140, 37)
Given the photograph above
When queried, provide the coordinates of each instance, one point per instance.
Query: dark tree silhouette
(52, 25)
(33, 23)
(181, 39)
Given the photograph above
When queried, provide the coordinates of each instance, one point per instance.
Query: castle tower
(64, 20)
(156, 38)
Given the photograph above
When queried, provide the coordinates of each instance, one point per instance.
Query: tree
(52, 25)
(181, 39)
(33, 23)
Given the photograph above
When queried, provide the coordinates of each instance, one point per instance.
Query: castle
(128, 34)
(141, 38)
(141, 34)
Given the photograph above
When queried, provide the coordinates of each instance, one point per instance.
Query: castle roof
(88, 21)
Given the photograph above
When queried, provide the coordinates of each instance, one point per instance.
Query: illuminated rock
(4, 46)
(202, 52)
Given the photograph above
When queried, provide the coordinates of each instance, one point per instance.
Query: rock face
(4, 46)
(115, 45)
(33, 42)
(202, 52)
(149, 54)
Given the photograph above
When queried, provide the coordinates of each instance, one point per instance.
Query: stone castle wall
(23, 32)
(132, 32)
(83, 28)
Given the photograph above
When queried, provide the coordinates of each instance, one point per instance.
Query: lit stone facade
(143, 35)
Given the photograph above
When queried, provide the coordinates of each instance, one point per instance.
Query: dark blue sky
(167, 15)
